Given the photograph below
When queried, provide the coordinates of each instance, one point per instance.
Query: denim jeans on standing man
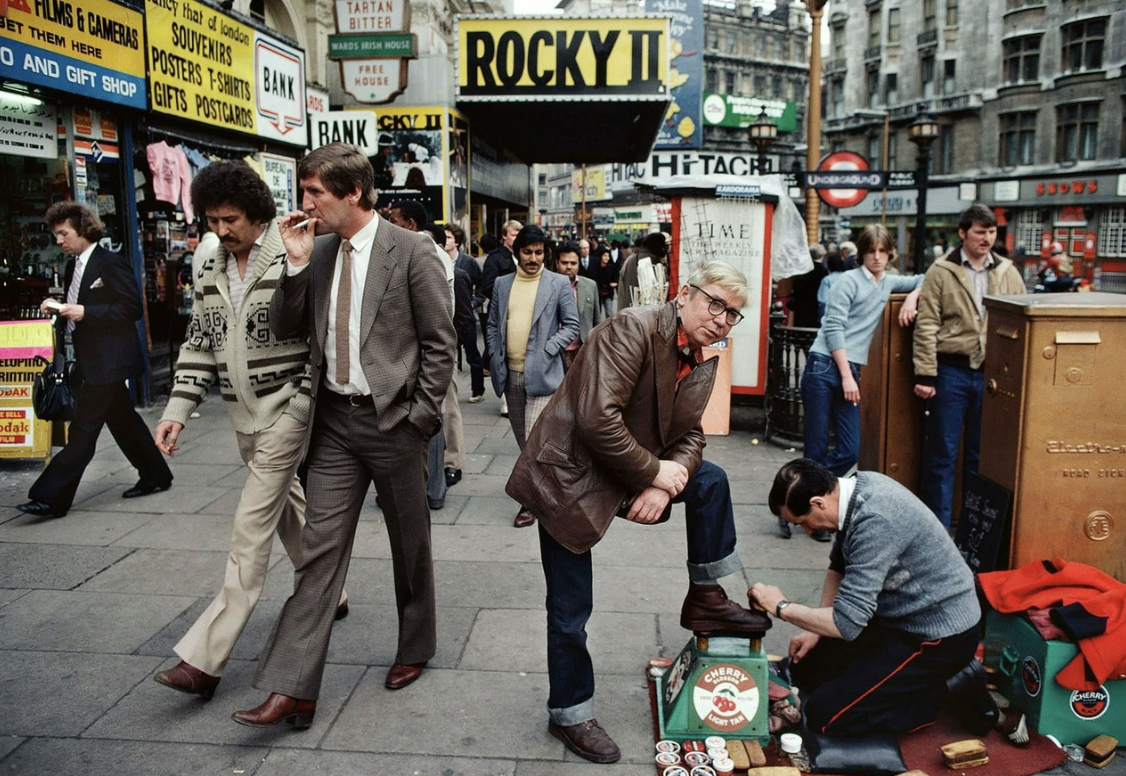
(956, 405)
(825, 406)
(710, 524)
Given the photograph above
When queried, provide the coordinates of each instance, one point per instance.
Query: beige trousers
(272, 500)
(452, 425)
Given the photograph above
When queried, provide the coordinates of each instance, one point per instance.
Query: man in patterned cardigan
(265, 386)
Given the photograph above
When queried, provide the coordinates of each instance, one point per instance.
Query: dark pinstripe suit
(407, 346)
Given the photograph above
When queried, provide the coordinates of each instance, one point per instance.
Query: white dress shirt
(362, 242)
(846, 485)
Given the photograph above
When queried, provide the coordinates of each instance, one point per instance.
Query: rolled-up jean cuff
(716, 569)
(572, 715)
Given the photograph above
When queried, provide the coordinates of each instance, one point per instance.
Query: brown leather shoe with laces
(189, 679)
(588, 740)
(277, 709)
(707, 609)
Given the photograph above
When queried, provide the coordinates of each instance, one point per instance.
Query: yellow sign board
(560, 58)
(25, 349)
(201, 64)
(595, 184)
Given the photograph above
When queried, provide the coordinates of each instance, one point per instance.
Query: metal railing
(788, 350)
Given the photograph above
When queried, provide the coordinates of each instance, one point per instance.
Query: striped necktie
(72, 291)
(344, 315)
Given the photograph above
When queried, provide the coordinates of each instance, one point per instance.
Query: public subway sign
(514, 59)
(93, 48)
(205, 66)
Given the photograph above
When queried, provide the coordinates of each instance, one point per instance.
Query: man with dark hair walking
(102, 306)
(265, 385)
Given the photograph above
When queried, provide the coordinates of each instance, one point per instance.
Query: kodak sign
(562, 58)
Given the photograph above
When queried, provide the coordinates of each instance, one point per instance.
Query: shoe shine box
(1028, 665)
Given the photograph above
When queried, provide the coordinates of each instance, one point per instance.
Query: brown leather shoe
(189, 679)
(277, 709)
(588, 740)
(402, 674)
(524, 518)
(707, 609)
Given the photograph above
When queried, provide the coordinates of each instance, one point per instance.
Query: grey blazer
(555, 325)
(407, 338)
(590, 306)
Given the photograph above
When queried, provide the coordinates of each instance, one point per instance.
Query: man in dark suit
(102, 305)
(586, 299)
(467, 335)
(376, 307)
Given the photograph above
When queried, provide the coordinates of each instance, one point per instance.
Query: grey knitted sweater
(260, 376)
(901, 569)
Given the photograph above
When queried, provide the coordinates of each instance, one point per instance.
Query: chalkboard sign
(982, 522)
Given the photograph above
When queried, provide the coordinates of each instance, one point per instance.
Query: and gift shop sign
(207, 67)
(94, 48)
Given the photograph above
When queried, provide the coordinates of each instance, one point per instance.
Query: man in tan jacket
(950, 350)
(622, 437)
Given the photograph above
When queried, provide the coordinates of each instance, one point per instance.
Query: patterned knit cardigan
(260, 376)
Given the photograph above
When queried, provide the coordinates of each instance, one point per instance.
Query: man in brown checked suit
(376, 307)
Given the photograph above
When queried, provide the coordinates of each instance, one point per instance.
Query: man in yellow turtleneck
(532, 318)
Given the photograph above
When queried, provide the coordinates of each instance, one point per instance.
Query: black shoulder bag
(53, 395)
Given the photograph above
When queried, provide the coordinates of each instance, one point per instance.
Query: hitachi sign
(562, 58)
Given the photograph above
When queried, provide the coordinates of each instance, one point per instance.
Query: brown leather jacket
(618, 412)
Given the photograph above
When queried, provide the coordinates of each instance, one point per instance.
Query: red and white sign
(280, 84)
(726, 698)
(843, 161)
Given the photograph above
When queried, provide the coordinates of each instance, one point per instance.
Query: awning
(563, 89)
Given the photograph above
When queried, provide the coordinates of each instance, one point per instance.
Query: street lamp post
(813, 121)
(922, 133)
(763, 133)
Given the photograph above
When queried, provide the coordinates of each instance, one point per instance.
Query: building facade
(1030, 99)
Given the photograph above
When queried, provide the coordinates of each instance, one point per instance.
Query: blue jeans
(710, 524)
(956, 405)
(824, 404)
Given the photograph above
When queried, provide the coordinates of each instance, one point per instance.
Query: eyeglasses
(717, 306)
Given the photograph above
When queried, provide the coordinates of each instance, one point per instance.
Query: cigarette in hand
(302, 224)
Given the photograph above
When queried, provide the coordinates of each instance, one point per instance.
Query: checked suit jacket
(407, 339)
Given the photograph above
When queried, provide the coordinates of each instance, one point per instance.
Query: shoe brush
(1015, 728)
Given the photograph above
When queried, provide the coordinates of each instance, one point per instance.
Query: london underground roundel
(843, 161)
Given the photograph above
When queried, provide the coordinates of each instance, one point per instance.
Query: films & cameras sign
(94, 48)
(562, 59)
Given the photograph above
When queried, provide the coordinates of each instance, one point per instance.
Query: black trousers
(97, 406)
(884, 681)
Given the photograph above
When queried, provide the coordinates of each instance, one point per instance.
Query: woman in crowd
(830, 385)
(606, 275)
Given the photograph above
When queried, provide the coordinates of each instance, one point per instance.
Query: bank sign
(560, 59)
(94, 49)
(204, 66)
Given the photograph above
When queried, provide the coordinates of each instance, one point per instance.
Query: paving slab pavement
(92, 604)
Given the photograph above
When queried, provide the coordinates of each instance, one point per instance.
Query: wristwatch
(778, 609)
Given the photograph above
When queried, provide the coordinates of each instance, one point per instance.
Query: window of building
(781, 49)
(874, 27)
(1022, 59)
(776, 87)
(1083, 45)
(891, 89)
(930, 15)
(729, 81)
(949, 83)
(1018, 138)
(951, 13)
(873, 88)
(1077, 131)
(1112, 233)
(926, 73)
(876, 151)
(760, 47)
(258, 10)
(730, 42)
(713, 38)
(711, 80)
(838, 43)
(838, 99)
(945, 157)
(893, 152)
(799, 51)
(893, 25)
(760, 86)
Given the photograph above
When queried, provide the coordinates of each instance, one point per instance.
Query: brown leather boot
(277, 709)
(588, 740)
(707, 609)
(187, 678)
